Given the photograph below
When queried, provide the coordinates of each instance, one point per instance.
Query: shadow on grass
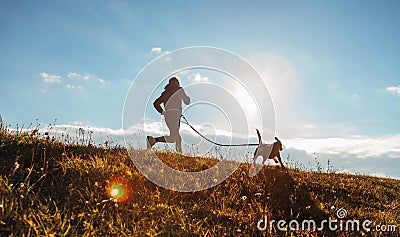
(287, 200)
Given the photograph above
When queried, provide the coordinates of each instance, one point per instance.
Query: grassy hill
(48, 188)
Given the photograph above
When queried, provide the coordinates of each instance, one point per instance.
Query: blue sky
(338, 63)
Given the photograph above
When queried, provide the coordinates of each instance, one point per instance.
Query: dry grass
(48, 188)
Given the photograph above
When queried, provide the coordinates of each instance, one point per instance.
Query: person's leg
(150, 142)
(160, 139)
(172, 120)
(178, 142)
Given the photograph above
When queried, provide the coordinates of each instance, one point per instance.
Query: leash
(215, 143)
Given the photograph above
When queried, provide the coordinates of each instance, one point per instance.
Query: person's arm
(185, 98)
(157, 103)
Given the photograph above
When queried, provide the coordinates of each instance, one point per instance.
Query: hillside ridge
(49, 188)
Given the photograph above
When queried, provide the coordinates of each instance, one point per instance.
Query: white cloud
(355, 147)
(343, 92)
(358, 146)
(197, 77)
(74, 75)
(158, 50)
(332, 86)
(355, 96)
(86, 77)
(48, 78)
(395, 89)
(89, 76)
(308, 126)
(155, 50)
(377, 152)
(77, 123)
(77, 88)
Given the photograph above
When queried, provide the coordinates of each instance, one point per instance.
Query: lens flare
(119, 188)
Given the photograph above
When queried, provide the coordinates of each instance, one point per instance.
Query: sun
(247, 103)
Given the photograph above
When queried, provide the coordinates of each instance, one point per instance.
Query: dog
(268, 151)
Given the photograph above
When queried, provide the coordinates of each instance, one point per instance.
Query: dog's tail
(280, 143)
(259, 137)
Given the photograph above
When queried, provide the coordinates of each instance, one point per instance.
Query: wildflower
(257, 194)
(244, 198)
(215, 180)
(16, 166)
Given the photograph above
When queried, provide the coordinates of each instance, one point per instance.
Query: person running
(172, 98)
